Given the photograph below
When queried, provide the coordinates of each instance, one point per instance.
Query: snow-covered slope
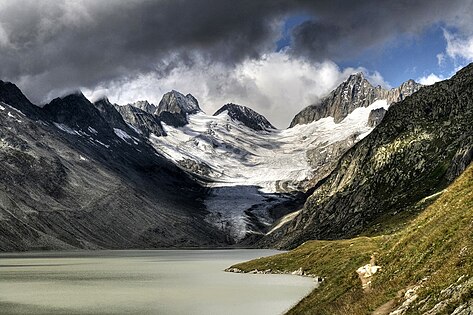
(274, 160)
(247, 167)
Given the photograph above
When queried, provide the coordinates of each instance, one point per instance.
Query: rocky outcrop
(355, 92)
(412, 154)
(145, 106)
(246, 116)
(112, 116)
(146, 123)
(375, 117)
(174, 108)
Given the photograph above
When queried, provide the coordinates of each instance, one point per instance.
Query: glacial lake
(143, 282)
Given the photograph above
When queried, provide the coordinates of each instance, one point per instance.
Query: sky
(275, 56)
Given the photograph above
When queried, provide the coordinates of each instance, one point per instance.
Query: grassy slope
(437, 244)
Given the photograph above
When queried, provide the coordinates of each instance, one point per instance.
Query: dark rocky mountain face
(422, 144)
(76, 112)
(174, 108)
(64, 185)
(246, 116)
(114, 119)
(141, 120)
(355, 92)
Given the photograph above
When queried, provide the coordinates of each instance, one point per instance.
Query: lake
(143, 282)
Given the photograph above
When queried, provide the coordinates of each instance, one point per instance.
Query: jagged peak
(12, 95)
(144, 105)
(176, 102)
(75, 95)
(356, 76)
(103, 99)
(245, 115)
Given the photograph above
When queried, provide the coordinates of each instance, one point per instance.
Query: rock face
(246, 116)
(145, 106)
(375, 117)
(74, 175)
(421, 145)
(174, 108)
(115, 120)
(355, 92)
(146, 123)
(78, 113)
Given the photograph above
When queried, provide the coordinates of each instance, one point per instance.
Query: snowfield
(237, 155)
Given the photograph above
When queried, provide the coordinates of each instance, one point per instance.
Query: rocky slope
(142, 121)
(422, 144)
(75, 175)
(355, 92)
(246, 116)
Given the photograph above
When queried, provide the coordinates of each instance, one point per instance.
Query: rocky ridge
(353, 93)
(246, 116)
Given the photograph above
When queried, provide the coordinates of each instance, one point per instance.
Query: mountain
(75, 175)
(246, 116)
(353, 93)
(175, 107)
(423, 143)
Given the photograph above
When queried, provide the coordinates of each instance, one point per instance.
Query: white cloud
(459, 46)
(440, 59)
(4, 38)
(430, 79)
(277, 85)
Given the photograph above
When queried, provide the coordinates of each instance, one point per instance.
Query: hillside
(423, 143)
(426, 266)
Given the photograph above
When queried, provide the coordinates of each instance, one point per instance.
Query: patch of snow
(102, 144)
(12, 116)
(124, 136)
(287, 218)
(138, 131)
(2, 108)
(17, 110)
(92, 130)
(66, 129)
(82, 158)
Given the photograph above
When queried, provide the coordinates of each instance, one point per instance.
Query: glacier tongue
(249, 167)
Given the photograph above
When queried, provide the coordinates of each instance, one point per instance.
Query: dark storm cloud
(65, 44)
(343, 29)
(57, 45)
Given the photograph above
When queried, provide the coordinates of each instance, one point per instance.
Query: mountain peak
(103, 100)
(174, 108)
(353, 93)
(356, 76)
(246, 116)
(176, 102)
(145, 106)
(76, 111)
(12, 95)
